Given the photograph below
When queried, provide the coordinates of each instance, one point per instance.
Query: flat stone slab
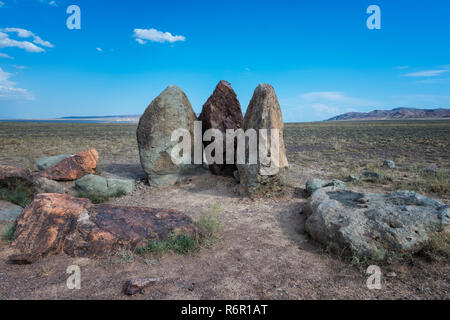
(374, 225)
(109, 187)
(55, 223)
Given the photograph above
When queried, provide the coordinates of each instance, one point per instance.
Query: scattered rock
(389, 164)
(263, 112)
(352, 178)
(169, 111)
(96, 185)
(431, 168)
(316, 184)
(137, 285)
(74, 167)
(55, 223)
(12, 175)
(44, 185)
(47, 162)
(374, 225)
(9, 211)
(336, 183)
(222, 111)
(372, 176)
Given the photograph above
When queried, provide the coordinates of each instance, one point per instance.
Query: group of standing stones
(171, 110)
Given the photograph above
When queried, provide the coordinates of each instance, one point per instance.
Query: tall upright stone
(263, 112)
(222, 111)
(170, 111)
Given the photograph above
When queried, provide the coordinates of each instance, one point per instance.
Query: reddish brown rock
(222, 111)
(55, 223)
(74, 167)
(10, 175)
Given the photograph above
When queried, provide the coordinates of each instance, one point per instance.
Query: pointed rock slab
(222, 111)
(170, 111)
(74, 167)
(263, 112)
(55, 223)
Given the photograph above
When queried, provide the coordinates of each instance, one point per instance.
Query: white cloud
(53, 3)
(23, 33)
(8, 89)
(99, 49)
(426, 73)
(155, 36)
(6, 42)
(4, 55)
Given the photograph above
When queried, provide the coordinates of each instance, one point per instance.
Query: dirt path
(263, 253)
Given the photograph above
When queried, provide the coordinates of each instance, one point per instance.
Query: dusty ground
(262, 251)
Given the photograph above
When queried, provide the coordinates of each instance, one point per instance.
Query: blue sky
(319, 55)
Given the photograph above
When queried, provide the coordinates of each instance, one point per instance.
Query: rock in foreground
(222, 111)
(170, 111)
(74, 167)
(107, 187)
(263, 112)
(377, 226)
(55, 223)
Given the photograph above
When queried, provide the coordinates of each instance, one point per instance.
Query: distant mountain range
(395, 114)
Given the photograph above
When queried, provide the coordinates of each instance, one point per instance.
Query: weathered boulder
(170, 111)
(222, 111)
(74, 167)
(9, 211)
(377, 226)
(389, 164)
(96, 185)
(44, 185)
(316, 184)
(11, 175)
(372, 176)
(55, 223)
(47, 162)
(263, 112)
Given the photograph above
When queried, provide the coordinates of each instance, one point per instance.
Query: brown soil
(263, 252)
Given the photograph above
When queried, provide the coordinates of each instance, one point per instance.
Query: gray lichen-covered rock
(47, 162)
(169, 111)
(96, 185)
(44, 185)
(316, 184)
(9, 211)
(371, 225)
(263, 112)
(389, 164)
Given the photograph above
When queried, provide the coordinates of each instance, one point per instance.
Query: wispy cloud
(155, 36)
(401, 67)
(8, 90)
(6, 41)
(99, 49)
(2, 4)
(4, 55)
(51, 3)
(427, 73)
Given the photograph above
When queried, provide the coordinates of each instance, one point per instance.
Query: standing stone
(222, 111)
(170, 111)
(263, 112)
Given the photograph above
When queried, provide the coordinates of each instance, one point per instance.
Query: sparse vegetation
(19, 193)
(9, 233)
